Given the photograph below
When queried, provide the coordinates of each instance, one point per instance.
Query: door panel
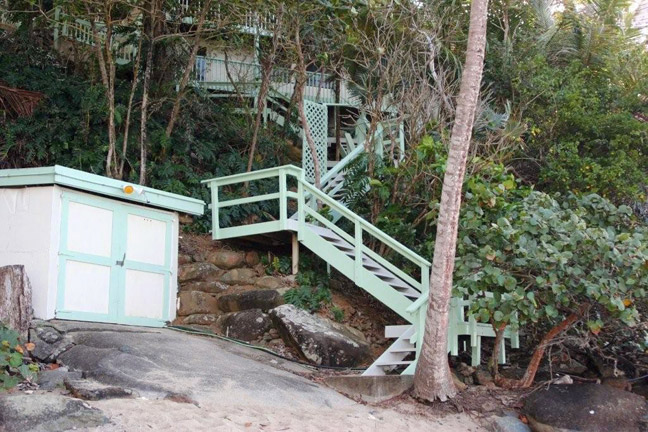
(146, 240)
(144, 294)
(87, 287)
(90, 229)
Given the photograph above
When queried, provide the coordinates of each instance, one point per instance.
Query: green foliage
(542, 256)
(313, 289)
(277, 264)
(69, 128)
(338, 313)
(13, 368)
(579, 80)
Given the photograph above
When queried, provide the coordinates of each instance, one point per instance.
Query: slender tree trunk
(129, 110)
(299, 90)
(145, 101)
(266, 71)
(536, 358)
(499, 335)
(182, 86)
(107, 70)
(433, 379)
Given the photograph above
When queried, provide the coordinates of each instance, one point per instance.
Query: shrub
(13, 365)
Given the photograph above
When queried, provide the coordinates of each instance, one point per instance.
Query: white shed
(95, 248)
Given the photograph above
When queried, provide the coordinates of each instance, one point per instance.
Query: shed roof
(100, 185)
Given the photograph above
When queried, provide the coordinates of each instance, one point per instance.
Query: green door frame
(117, 285)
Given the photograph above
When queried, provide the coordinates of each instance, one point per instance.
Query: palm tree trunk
(433, 379)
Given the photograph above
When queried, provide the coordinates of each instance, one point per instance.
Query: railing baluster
(301, 215)
(358, 252)
(215, 210)
(283, 200)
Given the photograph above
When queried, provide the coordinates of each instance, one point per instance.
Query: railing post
(214, 209)
(358, 251)
(57, 21)
(425, 279)
(283, 200)
(301, 204)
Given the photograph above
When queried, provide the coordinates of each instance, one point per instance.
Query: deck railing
(218, 74)
(363, 230)
(248, 21)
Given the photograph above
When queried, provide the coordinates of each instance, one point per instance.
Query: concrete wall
(29, 235)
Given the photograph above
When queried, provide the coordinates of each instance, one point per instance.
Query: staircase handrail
(338, 167)
(367, 226)
(321, 196)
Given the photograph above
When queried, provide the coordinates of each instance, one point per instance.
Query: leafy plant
(313, 289)
(13, 368)
(338, 313)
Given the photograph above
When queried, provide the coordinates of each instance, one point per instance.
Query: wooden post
(295, 254)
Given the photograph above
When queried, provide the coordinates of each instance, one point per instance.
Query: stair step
(394, 363)
(402, 350)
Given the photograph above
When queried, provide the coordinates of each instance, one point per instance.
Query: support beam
(295, 254)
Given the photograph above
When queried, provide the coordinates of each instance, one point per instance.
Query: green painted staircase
(403, 293)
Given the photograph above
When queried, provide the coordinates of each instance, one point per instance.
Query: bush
(14, 368)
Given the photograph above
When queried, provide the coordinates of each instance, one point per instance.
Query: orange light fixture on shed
(128, 189)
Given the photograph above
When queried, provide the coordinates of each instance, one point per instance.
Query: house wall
(29, 235)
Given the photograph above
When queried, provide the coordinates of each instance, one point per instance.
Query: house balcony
(246, 21)
(220, 76)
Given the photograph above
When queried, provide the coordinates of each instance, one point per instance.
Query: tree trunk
(266, 71)
(182, 87)
(534, 363)
(15, 299)
(129, 110)
(144, 109)
(499, 335)
(299, 90)
(433, 379)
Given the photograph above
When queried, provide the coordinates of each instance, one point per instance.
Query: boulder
(320, 340)
(584, 407)
(226, 259)
(48, 343)
(255, 299)
(201, 319)
(246, 325)
(196, 302)
(252, 258)
(15, 299)
(184, 259)
(54, 378)
(21, 412)
(204, 286)
(93, 390)
(243, 276)
(269, 282)
(197, 271)
(507, 424)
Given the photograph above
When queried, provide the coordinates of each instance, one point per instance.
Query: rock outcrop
(227, 291)
(15, 298)
(320, 340)
(585, 407)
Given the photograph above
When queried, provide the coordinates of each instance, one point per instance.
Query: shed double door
(114, 262)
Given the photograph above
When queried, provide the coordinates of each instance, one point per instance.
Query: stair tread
(393, 363)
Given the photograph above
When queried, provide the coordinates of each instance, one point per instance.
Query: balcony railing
(218, 74)
(250, 22)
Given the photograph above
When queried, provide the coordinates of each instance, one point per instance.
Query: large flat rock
(318, 339)
(46, 412)
(585, 407)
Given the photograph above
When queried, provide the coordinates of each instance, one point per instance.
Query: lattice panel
(317, 119)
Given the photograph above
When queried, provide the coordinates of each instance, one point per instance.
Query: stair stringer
(387, 295)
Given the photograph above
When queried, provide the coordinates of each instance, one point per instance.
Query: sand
(162, 415)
